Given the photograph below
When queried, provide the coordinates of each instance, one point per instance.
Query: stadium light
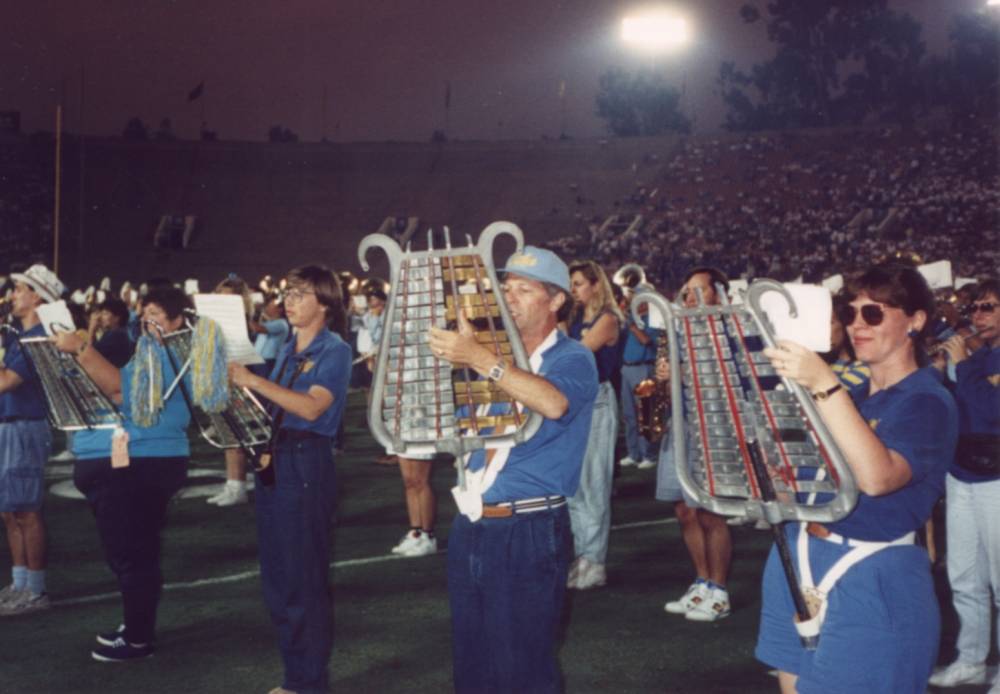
(658, 30)
(993, 3)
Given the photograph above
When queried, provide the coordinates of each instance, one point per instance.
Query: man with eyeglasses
(973, 492)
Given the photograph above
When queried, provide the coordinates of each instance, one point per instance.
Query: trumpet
(937, 347)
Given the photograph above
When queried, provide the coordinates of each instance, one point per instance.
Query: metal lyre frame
(73, 401)
(422, 404)
(760, 447)
(243, 424)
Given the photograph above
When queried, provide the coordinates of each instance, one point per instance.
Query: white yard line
(343, 564)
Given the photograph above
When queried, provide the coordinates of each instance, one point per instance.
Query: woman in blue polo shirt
(129, 480)
(897, 433)
(307, 387)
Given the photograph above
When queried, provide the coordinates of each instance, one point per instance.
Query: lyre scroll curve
(387, 244)
(734, 416)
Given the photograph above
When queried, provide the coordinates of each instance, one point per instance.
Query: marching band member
(129, 477)
(973, 492)
(595, 322)
(510, 546)
(879, 619)
(309, 387)
(25, 441)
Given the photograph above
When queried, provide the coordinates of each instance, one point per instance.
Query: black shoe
(108, 638)
(121, 651)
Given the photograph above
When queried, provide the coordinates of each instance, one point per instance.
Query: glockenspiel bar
(443, 386)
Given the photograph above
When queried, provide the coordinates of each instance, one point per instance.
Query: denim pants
(506, 588)
(973, 533)
(130, 507)
(293, 532)
(637, 445)
(590, 507)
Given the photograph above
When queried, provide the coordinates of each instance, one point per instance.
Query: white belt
(816, 595)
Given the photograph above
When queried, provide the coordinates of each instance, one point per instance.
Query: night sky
(382, 64)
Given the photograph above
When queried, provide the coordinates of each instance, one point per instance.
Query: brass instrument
(421, 403)
(630, 277)
(653, 399)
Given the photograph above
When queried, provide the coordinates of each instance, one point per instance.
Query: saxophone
(653, 399)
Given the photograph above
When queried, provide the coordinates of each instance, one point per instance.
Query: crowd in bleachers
(791, 204)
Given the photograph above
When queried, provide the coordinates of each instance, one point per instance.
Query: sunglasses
(872, 314)
(985, 307)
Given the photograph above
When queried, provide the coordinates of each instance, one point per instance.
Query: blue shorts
(668, 482)
(24, 450)
(881, 628)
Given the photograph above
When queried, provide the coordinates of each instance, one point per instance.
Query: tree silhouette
(639, 104)
(135, 129)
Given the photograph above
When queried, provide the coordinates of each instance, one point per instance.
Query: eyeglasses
(871, 314)
(984, 306)
(294, 296)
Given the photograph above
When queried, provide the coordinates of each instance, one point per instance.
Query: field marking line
(342, 564)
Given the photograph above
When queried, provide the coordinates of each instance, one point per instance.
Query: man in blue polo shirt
(510, 547)
(25, 441)
(637, 365)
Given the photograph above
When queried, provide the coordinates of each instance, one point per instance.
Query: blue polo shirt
(549, 462)
(165, 439)
(26, 401)
(977, 390)
(637, 353)
(918, 419)
(327, 363)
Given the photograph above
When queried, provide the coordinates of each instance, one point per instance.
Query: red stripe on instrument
(696, 386)
(767, 408)
(740, 434)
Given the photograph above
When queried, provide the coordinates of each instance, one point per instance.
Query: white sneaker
(995, 689)
(628, 461)
(695, 594)
(232, 496)
(591, 575)
(959, 673)
(25, 602)
(9, 594)
(409, 539)
(424, 545)
(715, 606)
(574, 572)
(217, 497)
(63, 456)
(646, 464)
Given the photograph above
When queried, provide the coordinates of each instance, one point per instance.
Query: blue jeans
(293, 533)
(506, 587)
(590, 507)
(637, 445)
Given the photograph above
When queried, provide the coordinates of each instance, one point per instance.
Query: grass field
(391, 629)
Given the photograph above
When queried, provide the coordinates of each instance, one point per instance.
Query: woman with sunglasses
(307, 389)
(973, 492)
(897, 433)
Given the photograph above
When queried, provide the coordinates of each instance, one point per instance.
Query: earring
(912, 333)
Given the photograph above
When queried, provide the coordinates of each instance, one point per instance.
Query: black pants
(130, 506)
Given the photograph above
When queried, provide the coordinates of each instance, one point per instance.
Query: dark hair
(117, 308)
(830, 357)
(717, 276)
(172, 300)
(900, 286)
(986, 287)
(327, 288)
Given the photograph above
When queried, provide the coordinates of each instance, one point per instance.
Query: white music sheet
(55, 315)
(227, 311)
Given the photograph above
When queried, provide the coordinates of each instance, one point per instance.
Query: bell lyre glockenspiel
(421, 403)
(731, 411)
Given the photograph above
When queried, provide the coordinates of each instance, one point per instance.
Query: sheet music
(811, 327)
(227, 311)
(55, 315)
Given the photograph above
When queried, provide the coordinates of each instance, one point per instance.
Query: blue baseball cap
(539, 264)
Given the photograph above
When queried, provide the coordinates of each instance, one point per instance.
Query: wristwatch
(496, 372)
(825, 394)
